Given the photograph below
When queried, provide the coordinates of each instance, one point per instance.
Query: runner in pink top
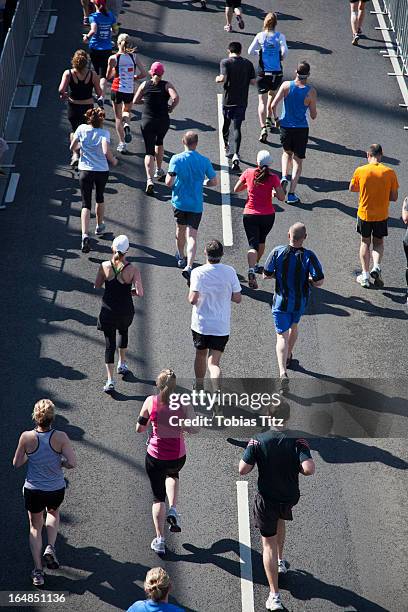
(259, 213)
(166, 452)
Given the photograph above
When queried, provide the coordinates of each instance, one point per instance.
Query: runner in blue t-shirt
(295, 270)
(186, 174)
(100, 42)
(157, 587)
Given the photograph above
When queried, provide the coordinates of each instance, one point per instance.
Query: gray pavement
(347, 545)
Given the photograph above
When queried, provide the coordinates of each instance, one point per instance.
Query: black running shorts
(76, 114)
(153, 132)
(203, 342)
(257, 227)
(186, 217)
(158, 470)
(377, 229)
(294, 140)
(118, 97)
(233, 3)
(99, 59)
(267, 513)
(270, 81)
(37, 501)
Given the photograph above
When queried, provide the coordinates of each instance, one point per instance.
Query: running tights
(237, 132)
(110, 342)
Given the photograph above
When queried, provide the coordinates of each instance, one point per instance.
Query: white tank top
(124, 73)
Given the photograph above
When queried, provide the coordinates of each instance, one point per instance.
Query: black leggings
(405, 243)
(237, 132)
(110, 325)
(87, 180)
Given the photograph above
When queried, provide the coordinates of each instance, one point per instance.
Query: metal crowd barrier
(397, 11)
(12, 56)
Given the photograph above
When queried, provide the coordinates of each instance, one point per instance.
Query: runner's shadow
(338, 149)
(158, 37)
(303, 46)
(190, 124)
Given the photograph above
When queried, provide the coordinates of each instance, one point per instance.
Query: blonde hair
(118, 256)
(124, 43)
(80, 60)
(44, 412)
(166, 383)
(270, 22)
(157, 584)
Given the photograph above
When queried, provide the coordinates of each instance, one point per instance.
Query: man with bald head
(295, 270)
(186, 175)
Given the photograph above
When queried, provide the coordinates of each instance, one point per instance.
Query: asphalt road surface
(347, 544)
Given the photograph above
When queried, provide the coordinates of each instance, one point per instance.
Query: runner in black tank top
(158, 98)
(122, 280)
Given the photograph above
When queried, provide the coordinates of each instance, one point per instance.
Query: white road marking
(52, 24)
(35, 94)
(391, 49)
(225, 183)
(12, 188)
(244, 535)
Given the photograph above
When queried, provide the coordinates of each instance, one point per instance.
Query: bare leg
(262, 108)
(100, 212)
(200, 364)
(181, 239)
(126, 113)
(228, 15)
(172, 490)
(282, 346)
(149, 166)
(117, 109)
(252, 258)
(297, 171)
(122, 355)
(159, 515)
(191, 245)
(109, 370)
(378, 251)
(159, 156)
(270, 561)
(85, 7)
(85, 216)
(365, 254)
(281, 537)
(293, 335)
(52, 523)
(214, 359)
(354, 17)
(361, 14)
(103, 86)
(36, 524)
(261, 251)
(287, 163)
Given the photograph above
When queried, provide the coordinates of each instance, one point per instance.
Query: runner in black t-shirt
(237, 73)
(279, 458)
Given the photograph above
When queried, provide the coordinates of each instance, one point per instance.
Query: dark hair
(95, 117)
(235, 47)
(303, 69)
(261, 175)
(214, 250)
(101, 5)
(282, 411)
(375, 150)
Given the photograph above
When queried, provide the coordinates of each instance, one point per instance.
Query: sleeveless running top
(80, 89)
(294, 110)
(166, 441)
(117, 297)
(155, 98)
(124, 73)
(44, 471)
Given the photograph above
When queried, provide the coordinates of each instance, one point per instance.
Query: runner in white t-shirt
(213, 287)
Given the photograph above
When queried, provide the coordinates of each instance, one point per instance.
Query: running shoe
(276, 122)
(274, 602)
(50, 557)
(363, 280)
(149, 187)
(122, 369)
(100, 102)
(173, 519)
(264, 135)
(355, 40)
(284, 183)
(74, 161)
(376, 275)
(158, 545)
(268, 123)
(227, 149)
(284, 386)
(283, 566)
(86, 244)
(181, 260)
(258, 269)
(128, 133)
(121, 148)
(228, 28)
(160, 174)
(292, 198)
(186, 273)
(109, 386)
(203, 4)
(241, 23)
(289, 361)
(37, 577)
(235, 162)
(252, 282)
(100, 229)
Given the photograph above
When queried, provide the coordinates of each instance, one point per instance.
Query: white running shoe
(121, 148)
(274, 602)
(363, 280)
(173, 518)
(158, 545)
(122, 368)
(283, 566)
(376, 275)
(159, 174)
(50, 557)
(109, 386)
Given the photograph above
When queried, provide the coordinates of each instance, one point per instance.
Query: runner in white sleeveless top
(122, 67)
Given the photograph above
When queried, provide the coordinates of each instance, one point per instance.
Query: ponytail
(156, 79)
(118, 256)
(166, 383)
(261, 175)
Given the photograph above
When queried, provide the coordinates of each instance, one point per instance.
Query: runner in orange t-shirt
(378, 186)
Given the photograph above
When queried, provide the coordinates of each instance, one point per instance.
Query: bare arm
(316, 283)
(240, 185)
(144, 414)
(244, 468)
(190, 414)
(236, 297)
(69, 459)
(142, 70)
(193, 297)
(91, 32)
(109, 155)
(20, 456)
(169, 180)
(173, 95)
(279, 193)
(277, 99)
(137, 281)
(96, 83)
(63, 87)
(138, 97)
(75, 146)
(211, 182)
(100, 278)
(220, 78)
(404, 212)
(308, 467)
(110, 72)
(312, 103)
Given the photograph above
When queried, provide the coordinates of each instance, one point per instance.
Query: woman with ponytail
(166, 452)
(122, 280)
(92, 142)
(122, 69)
(259, 213)
(157, 586)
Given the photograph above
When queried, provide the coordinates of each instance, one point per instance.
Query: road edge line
(244, 536)
(224, 183)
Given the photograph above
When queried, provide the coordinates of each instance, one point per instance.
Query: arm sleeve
(315, 268)
(249, 455)
(355, 182)
(209, 171)
(283, 45)
(270, 264)
(223, 68)
(254, 46)
(236, 285)
(303, 450)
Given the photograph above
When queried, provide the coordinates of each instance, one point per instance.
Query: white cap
(121, 244)
(264, 158)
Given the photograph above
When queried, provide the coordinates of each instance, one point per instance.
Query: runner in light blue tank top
(44, 465)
